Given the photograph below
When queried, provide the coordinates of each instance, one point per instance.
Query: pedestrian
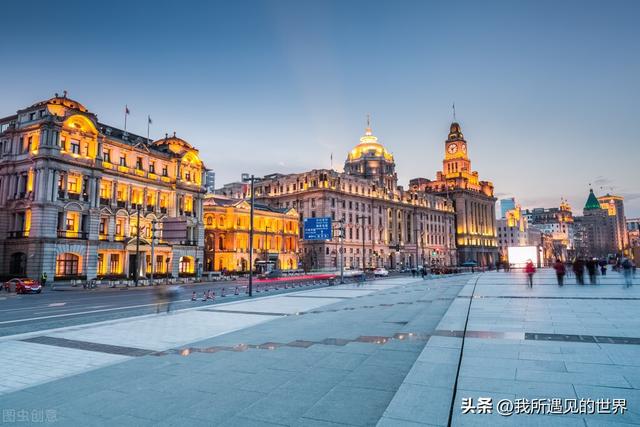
(530, 270)
(627, 270)
(592, 270)
(498, 266)
(43, 279)
(560, 269)
(603, 267)
(578, 270)
(413, 272)
(423, 272)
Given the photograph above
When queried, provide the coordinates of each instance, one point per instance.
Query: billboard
(317, 228)
(519, 255)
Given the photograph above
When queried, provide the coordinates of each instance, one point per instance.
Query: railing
(118, 238)
(105, 201)
(73, 196)
(66, 234)
(17, 234)
(121, 203)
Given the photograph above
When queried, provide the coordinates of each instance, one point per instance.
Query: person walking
(578, 270)
(530, 270)
(43, 279)
(592, 270)
(627, 271)
(558, 266)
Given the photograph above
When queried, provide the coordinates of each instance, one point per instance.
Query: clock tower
(456, 161)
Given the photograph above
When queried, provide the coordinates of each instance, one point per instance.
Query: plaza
(401, 351)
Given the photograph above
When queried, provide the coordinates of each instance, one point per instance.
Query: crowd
(591, 266)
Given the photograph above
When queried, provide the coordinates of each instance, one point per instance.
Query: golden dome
(369, 145)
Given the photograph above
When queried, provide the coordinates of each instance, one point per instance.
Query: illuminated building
(275, 241)
(400, 228)
(633, 231)
(473, 200)
(595, 230)
(507, 205)
(71, 188)
(558, 223)
(513, 231)
(615, 208)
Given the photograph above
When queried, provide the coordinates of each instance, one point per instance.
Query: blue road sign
(317, 228)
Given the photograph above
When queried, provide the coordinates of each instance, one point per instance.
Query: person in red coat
(530, 270)
(560, 269)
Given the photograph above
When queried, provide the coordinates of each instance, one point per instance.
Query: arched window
(18, 263)
(67, 264)
(186, 265)
(209, 220)
(221, 243)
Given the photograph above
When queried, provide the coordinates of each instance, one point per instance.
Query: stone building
(557, 223)
(71, 189)
(227, 223)
(385, 225)
(595, 234)
(473, 200)
(615, 208)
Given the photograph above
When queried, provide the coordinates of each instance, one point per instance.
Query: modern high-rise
(473, 200)
(507, 205)
(615, 208)
(79, 198)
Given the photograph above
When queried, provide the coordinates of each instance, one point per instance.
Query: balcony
(121, 203)
(118, 238)
(103, 237)
(73, 196)
(66, 234)
(105, 201)
(150, 208)
(17, 234)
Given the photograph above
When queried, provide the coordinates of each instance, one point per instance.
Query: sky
(546, 91)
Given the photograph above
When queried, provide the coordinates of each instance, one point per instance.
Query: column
(51, 186)
(157, 207)
(65, 185)
(129, 193)
(96, 194)
(114, 192)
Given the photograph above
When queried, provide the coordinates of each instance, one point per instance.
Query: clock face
(452, 149)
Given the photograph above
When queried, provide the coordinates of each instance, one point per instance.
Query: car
(23, 286)
(381, 272)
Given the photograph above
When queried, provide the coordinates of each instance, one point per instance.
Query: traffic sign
(317, 228)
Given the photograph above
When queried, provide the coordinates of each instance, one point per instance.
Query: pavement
(396, 352)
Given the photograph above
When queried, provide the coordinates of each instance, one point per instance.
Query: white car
(381, 272)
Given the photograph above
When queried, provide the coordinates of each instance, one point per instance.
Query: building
(557, 223)
(513, 230)
(473, 200)
(210, 181)
(384, 224)
(227, 223)
(633, 231)
(615, 207)
(507, 205)
(595, 231)
(72, 190)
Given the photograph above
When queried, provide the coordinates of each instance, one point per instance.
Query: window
(152, 167)
(123, 160)
(165, 170)
(106, 155)
(67, 264)
(139, 163)
(114, 264)
(74, 146)
(32, 116)
(103, 226)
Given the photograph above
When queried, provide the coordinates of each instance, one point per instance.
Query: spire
(592, 202)
(367, 130)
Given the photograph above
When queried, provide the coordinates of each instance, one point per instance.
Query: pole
(251, 240)
(135, 277)
(153, 240)
(363, 251)
(342, 230)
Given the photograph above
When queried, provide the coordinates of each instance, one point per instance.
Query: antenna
(454, 111)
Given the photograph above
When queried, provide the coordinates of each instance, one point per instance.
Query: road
(56, 309)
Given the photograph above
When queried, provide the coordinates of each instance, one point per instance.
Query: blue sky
(546, 91)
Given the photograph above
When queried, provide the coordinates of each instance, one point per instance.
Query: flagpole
(126, 111)
(148, 124)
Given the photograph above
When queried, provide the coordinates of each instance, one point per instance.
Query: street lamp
(252, 180)
(362, 217)
(153, 240)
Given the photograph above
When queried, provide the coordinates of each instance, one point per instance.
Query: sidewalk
(521, 344)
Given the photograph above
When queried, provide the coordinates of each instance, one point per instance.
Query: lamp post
(252, 180)
(153, 240)
(341, 239)
(137, 266)
(362, 217)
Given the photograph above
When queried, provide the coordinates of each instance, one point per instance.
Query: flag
(149, 120)
(126, 110)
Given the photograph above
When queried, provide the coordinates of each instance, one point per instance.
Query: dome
(592, 202)
(369, 144)
(173, 143)
(62, 101)
(455, 132)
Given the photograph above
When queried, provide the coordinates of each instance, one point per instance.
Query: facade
(595, 234)
(384, 224)
(210, 181)
(72, 190)
(513, 230)
(557, 223)
(473, 200)
(633, 231)
(615, 207)
(227, 221)
(507, 205)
